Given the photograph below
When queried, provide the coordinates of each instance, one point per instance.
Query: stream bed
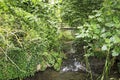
(73, 68)
(53, 75)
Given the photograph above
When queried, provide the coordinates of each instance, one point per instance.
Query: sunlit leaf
(114, 53)
(110, 24)
(116, 19)
(104, 47)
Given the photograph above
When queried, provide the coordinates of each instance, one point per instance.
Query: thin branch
(12, 61)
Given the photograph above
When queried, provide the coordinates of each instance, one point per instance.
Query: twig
(12, 61)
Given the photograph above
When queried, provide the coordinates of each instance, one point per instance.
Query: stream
(73, 68)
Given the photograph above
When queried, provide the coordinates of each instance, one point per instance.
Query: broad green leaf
(114, 53)
(100, 19)
(110, 24)
(98, 14)
(104, 48)
(116, 19)
(115, 39)
(91, 16)
(117, 25)
(107, 40)
(106, 34)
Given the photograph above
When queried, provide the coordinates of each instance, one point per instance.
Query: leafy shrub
(75, 12)
(29, 39)
(101, 32)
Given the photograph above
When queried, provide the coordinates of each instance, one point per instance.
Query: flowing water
(73, 68)
(73, 71)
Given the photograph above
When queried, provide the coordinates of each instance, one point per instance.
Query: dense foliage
(75, 12)
(28, 38)
(99, 28)
(101, 33)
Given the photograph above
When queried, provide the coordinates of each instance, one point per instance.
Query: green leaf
(98, 14)
(114, 53)
(107, 40)
(100, 19)
(91, 16)
(117, 25)
(59, 60)
(115, 39)
(57, 66)
(110, 24)
(104, 48)
(116, 19)
(106, 34)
